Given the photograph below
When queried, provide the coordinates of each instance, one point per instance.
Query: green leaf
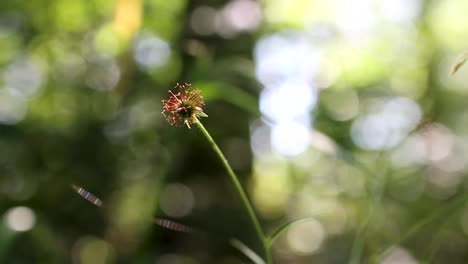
(285, 227)
(249, 253)
(461, 60)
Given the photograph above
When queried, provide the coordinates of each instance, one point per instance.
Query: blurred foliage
(341, 112)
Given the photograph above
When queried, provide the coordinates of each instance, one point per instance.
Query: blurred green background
(342, 111)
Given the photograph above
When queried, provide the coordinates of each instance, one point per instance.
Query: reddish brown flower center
(183, 107)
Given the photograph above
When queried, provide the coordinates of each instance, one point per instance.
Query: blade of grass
(440, 212)
(358, 243)
(375, 192)
(244, 249)
(435, 244)
(271, 239)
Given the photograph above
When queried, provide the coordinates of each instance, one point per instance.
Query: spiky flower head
(183, 107)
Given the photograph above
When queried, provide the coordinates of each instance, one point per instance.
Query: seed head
(184, 106)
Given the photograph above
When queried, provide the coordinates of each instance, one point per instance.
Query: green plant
(184, 108)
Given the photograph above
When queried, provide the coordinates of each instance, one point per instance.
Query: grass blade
(285, 227)
(437, 214)
(244, 249)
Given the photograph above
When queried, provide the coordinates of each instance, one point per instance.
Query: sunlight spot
(399, 256)
(289, 100)
(243, 15)
(286, 55)
(20, 218)
(306, 238)
(387, 125)
(290, 138)
(356, 19)
(401, 11)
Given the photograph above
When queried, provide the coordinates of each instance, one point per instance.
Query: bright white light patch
(291, 99)
(356, 19)
(285, 55)
(20, 218)
(307, 237)
(386, 126)
(290, 138)
(243, 15)
(401, 11)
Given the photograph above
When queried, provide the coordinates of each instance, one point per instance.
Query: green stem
(240, 190)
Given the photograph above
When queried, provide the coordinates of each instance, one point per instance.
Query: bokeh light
(357, 20)
(387, 125)
(90, 249)
(403, 12)
(242, 15)
(12, 108)
(271, 181)
(399, 256)
(285, 56)
(290, 138)
(151, 52)
(105, 74)
(20, 218)
(289, 100)
(176, 200)
(342, 104)
(343, 112)
(307, 237)
(202, 20)
(23, 78)
(260, 138)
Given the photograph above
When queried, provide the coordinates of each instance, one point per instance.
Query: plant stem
(240, 190)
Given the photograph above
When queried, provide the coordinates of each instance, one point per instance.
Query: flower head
(184, 106)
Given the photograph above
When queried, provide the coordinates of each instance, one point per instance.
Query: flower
(183, 107)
